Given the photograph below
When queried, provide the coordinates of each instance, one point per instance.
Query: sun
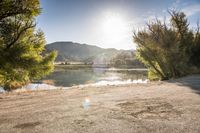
(114, 28)
(113, 25)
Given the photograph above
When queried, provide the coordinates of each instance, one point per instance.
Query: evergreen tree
(169, 51)
(22, 48)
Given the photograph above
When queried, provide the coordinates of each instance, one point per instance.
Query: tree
(10, 8)
(23, 57)
(125, 59)
(168, 50)
(195, 50)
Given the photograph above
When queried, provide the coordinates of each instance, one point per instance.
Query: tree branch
(19, 33)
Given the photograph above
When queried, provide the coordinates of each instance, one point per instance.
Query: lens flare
(86, 103)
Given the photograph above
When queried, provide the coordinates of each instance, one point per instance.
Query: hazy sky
(106, 23)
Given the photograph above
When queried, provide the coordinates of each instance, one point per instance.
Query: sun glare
(114, 27)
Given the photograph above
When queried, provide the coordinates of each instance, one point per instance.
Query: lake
(67, 77)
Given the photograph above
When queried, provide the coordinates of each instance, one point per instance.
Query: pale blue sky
(105, 23)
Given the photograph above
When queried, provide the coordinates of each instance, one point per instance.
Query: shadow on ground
(192, 81)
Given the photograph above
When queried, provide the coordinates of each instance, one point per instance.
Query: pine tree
(22, 48)
(169, 51)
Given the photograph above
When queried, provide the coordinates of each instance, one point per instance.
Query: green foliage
(11, 8)
(23, 57)
(169, 51)
(152, 75)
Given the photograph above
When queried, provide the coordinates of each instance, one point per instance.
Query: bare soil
(157, 107)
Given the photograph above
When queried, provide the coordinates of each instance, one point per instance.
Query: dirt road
(159, 107)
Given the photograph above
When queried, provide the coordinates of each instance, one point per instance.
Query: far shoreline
(67, 66)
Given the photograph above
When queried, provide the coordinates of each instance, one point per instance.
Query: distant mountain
(70, 51)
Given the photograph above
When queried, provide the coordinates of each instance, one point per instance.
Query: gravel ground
(157, 107)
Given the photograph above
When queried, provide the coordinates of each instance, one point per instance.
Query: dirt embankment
(169, 107)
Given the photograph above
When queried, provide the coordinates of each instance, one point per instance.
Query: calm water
(67, 77)
(70, 77)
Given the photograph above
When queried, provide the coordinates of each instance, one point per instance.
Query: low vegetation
(169, 50)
